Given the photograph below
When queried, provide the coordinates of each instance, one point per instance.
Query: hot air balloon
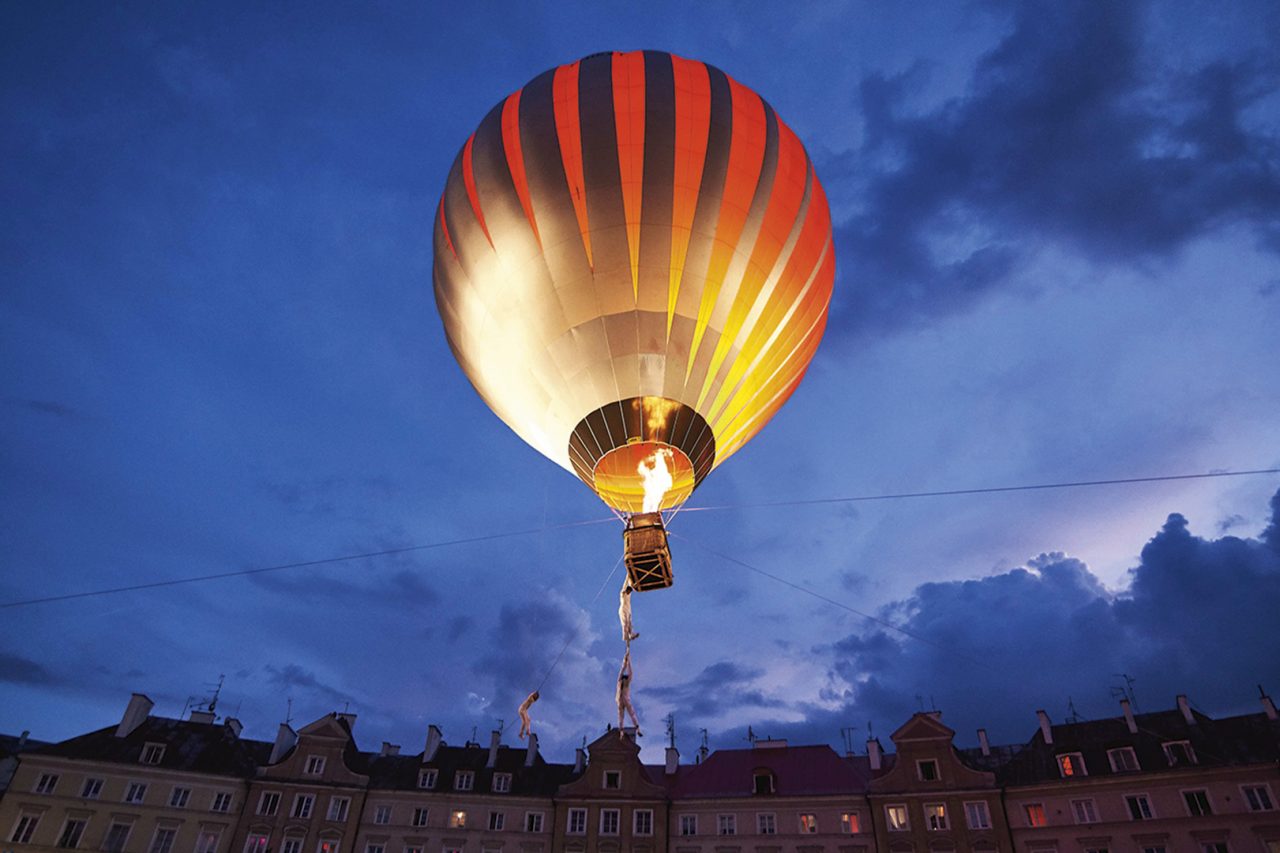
(633, 263)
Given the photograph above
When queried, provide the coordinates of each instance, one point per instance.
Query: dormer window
(1179, 753)
(427, 778)
(612, 780)
(762, 782)
(464, 780)
(314, 765)
(152, 753)
(1123, 760)
(1071, 764)
(927, 770)
(501, 783)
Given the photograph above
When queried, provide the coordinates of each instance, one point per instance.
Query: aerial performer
(624, 612)
(633, 264)
(623, 694)
(526, 726)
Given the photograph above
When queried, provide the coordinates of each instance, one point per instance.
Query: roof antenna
(1124, 691)
(1073, 716)
(288, 713)
(920, 702)
(671, 729)
(217, 691)
(846, 734)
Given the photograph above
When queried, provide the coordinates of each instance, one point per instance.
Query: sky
(1057, 234)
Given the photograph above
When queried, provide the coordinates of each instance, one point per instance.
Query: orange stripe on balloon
(693, 125)
(628, 117)
(448, 239)
(515, 157)
(746, 158)
(564, 96)
(469, 178)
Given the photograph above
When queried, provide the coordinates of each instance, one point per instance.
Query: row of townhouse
(1173, 781)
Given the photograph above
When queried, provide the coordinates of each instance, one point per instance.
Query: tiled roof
(199, 747)
(798, 770)
(400, 772)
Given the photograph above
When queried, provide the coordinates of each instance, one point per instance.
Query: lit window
(419, 816)
(533, 821)
(382, 815)
(1179, 753)
(256, 842)
(762, 782)
(612, 779)
(338, 807)
(765, 824)
(728, 824)
(302, 804)
(464, 780)
(269, 802)
(178, 798)
(501, 783)
(642, 822)
(314, 765)
(577, 822)
(1123, 760)
(46, 783)
(609, 821)
(896, 818)
(292, 844)
(927, 771)
(457, 819)
(136, 792)
(162, 841)
(207, 841)
(221, 802)
(117, 837)
(92, 788)
(152, 753)
(1085, 811)
(688, 824)
(328, 845)
(71, 832)
(1197, 803)
(25, 828)
(935, 816)
(427, 778)
(497, 820)
(1071, 764)
(977, 815)
(1139, 806)
(850, 824)
(808, 823)
(1035, 814)
(1258, 797)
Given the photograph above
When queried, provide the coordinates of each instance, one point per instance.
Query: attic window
(1179, 753)
(762, 782)
(152, 753)
(612, 780)
(1123, 760)
(427, 778)
(314, 765)
(927, 770)
(501, 783)
(1071, 764)
(464, 780)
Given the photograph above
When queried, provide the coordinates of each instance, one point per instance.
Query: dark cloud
(721, 687)
(521, 641)
(15, 669)
(291, 678)
(1071, 131)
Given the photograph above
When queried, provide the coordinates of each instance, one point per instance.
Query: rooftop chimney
(22, 739)
(494, 740)
(134, 714)
(531, 753)
(286, 737)
(203, 716)
(579, 760)
(983, 742)
(1267, 705)
(1128, 716)
(1045, 729)
(433, 743)
(1185, 708)
(873, 752)
(235, 725)
(389, 748)
(346, 717)
(673, 760)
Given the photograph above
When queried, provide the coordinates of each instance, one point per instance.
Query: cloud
(292, 677)
(15, 669)
(718, 689)
(1072, 131)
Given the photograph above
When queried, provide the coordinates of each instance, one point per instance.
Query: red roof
(797, 770)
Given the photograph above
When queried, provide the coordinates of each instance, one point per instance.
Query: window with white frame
(727, 824)
(457, 819)
(895, 817)
(427, 778)
(162, 841)
(338, 808)
(91, 789)
(977, 815)
(47, 783)
(1084, 810)
(927, 770)
(1123, 760)
(1034, 813)
(256, 842)
(850, 823)
(1158, 848)
(382, 815)
(501, 783)
(1071, 764)
(1179, 753)
(609, 821)
(179, 797)
(808, 823)
(152, 753)
(117, 837)
(464, 780)
(221, 802)
(766, 823)
(762, 782)
(419, 816)
(292, 844)
(72, 831)
(577, 824)
(302, 805)
(1258, 798)
(935, 817)
(207, 840)
(314, 765)
(642, 822)
(688, 824)
(24, 828)
(135, 792)
(497, 820)
(413, 848)
(1214, 847)
(1197, 802)
(371, 847)
(1139, 806)
(328, 845)
(533, 821)
(269, 802)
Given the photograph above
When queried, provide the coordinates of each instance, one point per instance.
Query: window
(1084, 810)
(292, 844)
(269, 802)
(850, 824)
(497, 820)
(302, 804)
(221, 801)
(314, 765)
(762, 782)
(1097, 850)
(136, 792)
(927, 770)
(642, 822)
(577, 822)
(117, 836)
(1035, 814)
(533, 821)
(46, 783)
(382, 815)
(1197, 803)
(1258, 797)
(1179, 753)
(688, 824)
(427, 778)
(413, 848)
(207, 841)
(91, 789)
(338, 807)
(375, 848)
(152, 753)
(256, 842)
(1123, 760)
(612, 779)
(501, 783)
(808, 823)
(609, 821)
(765, 824)
(896, 818)
(328, 845)
(162, 841)
(419, 816)
(1214, 847)
(24, 828)
(1139, 806)
(935, 817)
(1071, 764)
(178, 798)
(71, 832)
(1156, 849)
(464, 780)
(727, 824)
(457, 819)
(976, 815)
